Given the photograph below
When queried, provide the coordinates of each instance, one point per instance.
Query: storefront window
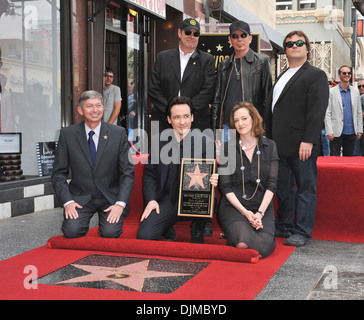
(30, 74)
(134, 82)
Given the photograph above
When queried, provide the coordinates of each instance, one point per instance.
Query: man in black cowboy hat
(183, 71)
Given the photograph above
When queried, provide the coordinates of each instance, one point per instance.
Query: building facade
(331, 28)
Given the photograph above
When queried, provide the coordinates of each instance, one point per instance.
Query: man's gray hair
(90, 94)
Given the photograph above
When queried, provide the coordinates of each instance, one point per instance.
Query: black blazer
(299, 112)
(198, 83)
(156, 170)
(113, 172)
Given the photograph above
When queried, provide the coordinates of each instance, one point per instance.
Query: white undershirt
(184, 58)
(278, 88)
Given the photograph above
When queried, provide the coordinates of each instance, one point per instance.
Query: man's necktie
(92, 146)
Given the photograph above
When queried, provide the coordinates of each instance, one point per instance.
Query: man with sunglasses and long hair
(295, 115)
(343, 120)
(244, 76)
(183, 71)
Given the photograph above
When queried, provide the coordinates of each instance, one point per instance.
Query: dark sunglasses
(345, 73)
(298, 43)
(195, 34)
(361, 86)
(236, 36)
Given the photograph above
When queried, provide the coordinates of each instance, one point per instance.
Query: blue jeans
(325, 143)
(296, 192)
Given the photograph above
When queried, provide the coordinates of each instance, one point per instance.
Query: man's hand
(115, 213)
(152, 205)
(305, 150)
(70, 210)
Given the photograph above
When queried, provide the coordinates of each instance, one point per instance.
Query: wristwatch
(261, 213)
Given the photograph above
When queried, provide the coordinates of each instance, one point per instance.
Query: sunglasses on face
(236, 36)
(298, 43)
(361, 86)
(195, 34)
(346, 73)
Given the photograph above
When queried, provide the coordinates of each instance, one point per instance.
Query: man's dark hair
(300, 34)
(107, 70)
(179, 100)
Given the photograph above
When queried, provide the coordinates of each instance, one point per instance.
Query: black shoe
(295, 240)
(208, 231)
(282, 234)
(170, 235)
(197, 237)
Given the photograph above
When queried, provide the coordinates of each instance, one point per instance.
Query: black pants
(75, 228)
(155, 225)
(346, 141)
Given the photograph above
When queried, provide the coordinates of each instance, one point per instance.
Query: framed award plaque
(196, 194)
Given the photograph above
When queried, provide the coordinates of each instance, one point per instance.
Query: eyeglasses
(346, 73)
(361, 86)
(108, 75)
(298, 43)
(195, 34)
(236, 36)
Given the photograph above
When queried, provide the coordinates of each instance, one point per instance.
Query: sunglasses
(236, 36)
(346, 73)
(298, 43)
(361, 86)
(195, 34)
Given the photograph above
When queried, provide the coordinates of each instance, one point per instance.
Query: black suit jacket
(198, 83)
(156, 170)
(299, 112)
(112, 174)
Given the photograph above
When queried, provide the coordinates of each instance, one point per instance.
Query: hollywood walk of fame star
(219, 47)
(196, 177)
(131, 275)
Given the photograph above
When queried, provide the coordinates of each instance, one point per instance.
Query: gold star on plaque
(105, 137)
(219, 47)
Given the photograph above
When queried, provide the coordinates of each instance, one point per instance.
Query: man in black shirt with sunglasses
(183, 71)
(244, 76)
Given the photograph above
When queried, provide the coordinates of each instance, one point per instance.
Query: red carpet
(156, 248)
(220, 280)
(340, 200)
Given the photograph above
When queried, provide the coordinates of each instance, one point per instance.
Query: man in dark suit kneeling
(161, 173)
(102, 173)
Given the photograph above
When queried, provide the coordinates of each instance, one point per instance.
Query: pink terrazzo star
(131, 275)
(196, 177)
